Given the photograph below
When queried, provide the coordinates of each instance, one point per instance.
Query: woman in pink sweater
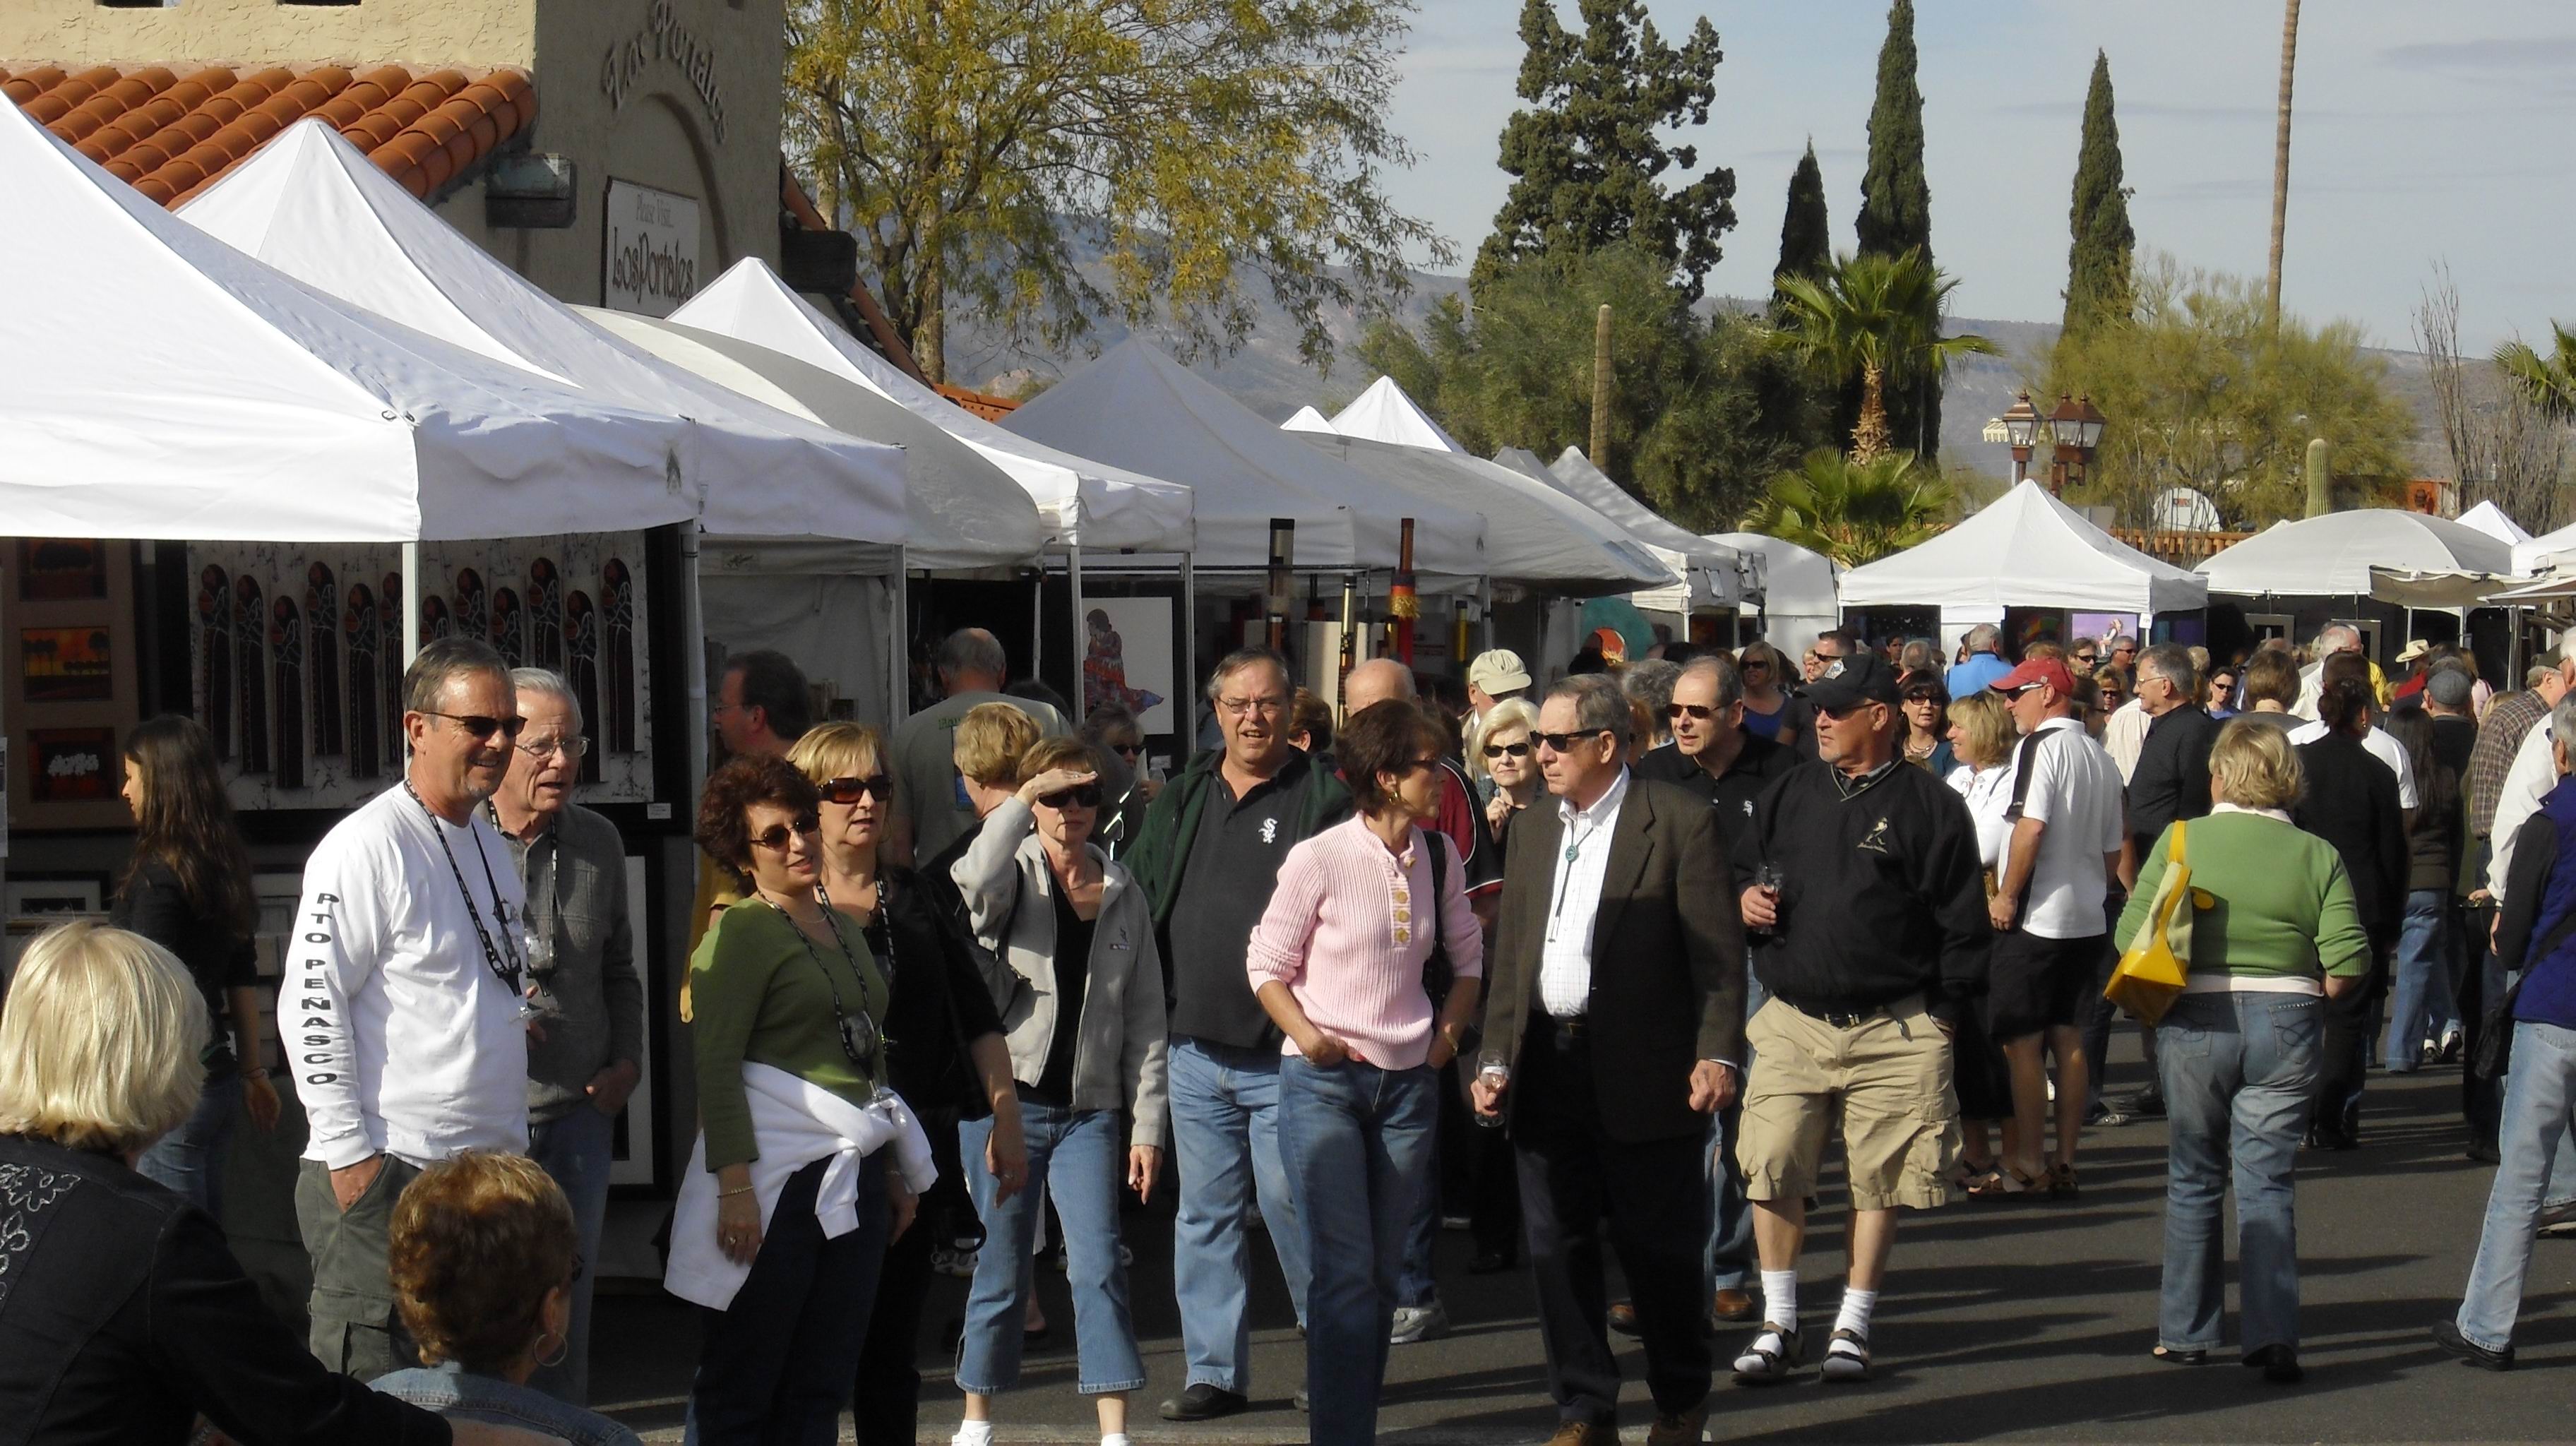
(1338, 961)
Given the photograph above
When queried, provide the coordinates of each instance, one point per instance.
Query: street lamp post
(2077, 425)
(2021, 428)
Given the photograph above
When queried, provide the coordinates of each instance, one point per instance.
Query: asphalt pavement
(2001, 1321)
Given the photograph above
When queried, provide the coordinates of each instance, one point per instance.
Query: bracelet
(726, 1194)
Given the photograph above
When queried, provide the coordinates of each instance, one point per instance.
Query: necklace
(542, 961)
(504, 960)
(859, 1037)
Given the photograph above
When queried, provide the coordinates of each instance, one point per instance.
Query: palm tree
(1877, 318)
(1853, 510)
(2547, 382)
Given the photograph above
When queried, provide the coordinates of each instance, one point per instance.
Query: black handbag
(2494, 1053)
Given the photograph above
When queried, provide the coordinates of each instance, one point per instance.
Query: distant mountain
(1268, 376)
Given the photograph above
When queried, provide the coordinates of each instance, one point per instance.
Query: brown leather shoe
(1733, 1306)
(1683, 1430)
(1586, 1433)
(1623, 1318)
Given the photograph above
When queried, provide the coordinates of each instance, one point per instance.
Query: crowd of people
(1671, 927)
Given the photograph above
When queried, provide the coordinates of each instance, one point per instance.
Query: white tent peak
(2025, 549)
(1384, 413)
(1709, 568)
(1307, 419)
(2495, 522)
(2335, 554)
(1086, 502)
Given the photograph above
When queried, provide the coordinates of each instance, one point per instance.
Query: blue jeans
(2239, 1072)
(190, 1159)
(2539, 1099)
(575, 1150)
(1225, 1142)
(1074, 1159)
(1359, 1142)
(2422, 1007)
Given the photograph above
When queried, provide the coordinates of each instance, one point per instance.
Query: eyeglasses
(1697, 712)
(1126, 750)
(774, 838)
(1414, 767)
(1081, 795)
(1564, 742)
(570, 745)
(2088, 658)
(1267, 707)
(1751, 665)
(1507, 750)
(482, 726)
(2023, 689)
(850, 790)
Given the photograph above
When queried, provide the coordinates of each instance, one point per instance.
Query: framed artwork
(61, 569)
(1127, 658)
(73, 765)
(631, 1159)
(24, 897)
(66, 665)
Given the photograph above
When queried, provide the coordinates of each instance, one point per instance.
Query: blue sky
(2420, 132)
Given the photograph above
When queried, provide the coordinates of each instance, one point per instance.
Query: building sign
(664, 38)
(652, 264)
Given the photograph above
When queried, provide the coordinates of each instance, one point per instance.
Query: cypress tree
(1896, 209)
(1806, 236)
(2097, 260)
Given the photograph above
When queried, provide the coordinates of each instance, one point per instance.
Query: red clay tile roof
(983, 404)
(169, 135)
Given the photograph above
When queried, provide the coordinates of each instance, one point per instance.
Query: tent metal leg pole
(1185, 677)
(899, 696)
(1078, 633)
(1485, 608)
(1037, 622)
(410, 601)
(693, 618)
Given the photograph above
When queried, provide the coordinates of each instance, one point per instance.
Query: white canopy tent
(1707, 569)
(2396, 556)
(1384, 413)
(2026, 549)
(2548, 550)
(1535, 536)
(1307, 419)
(156, 383)
(1140, 409)
(2495, 522)
(1084, 503)
(312, 205)
(1797, 599)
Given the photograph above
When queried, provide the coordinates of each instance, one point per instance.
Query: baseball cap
(1499, 671)
(1613, 646)
(2051, 671)
(1850, 682)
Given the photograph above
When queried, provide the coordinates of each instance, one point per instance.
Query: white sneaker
(1418, 1323)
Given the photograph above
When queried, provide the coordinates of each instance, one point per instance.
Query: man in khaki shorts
(1865, 904)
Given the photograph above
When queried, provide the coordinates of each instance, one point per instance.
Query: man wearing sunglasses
(582, 979)
(931, 803)
(1208, 859)
(1798, 715)
(404, 996)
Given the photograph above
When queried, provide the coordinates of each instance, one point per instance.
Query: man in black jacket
(2170, 783)
(2350, 801)
(1868, 913)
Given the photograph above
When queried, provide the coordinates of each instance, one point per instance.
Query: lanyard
(504, 960)
(543, 961)
(859, 1037)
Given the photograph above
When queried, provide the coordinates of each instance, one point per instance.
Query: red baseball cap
(2051, 671)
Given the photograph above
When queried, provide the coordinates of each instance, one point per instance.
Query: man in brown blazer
(1614, 1029)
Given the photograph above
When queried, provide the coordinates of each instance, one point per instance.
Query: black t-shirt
(1226, 885)
(1736, 793)
(939, 1001)
(1072, 971)
(2454, 738)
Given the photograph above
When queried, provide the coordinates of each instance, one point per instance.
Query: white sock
(1857, 1305)
(1780, 1297)
(1113, 1438)
(972, 1433)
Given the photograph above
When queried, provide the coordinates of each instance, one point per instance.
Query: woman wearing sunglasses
(1504, 764)
(1766, 680)
(1079, 984)
(944, 1049)
(775, 1235)
(1127, 788)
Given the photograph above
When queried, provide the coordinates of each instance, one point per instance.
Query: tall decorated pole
(1400, 599)
(1283, 581)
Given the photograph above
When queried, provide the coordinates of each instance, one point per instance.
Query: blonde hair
(1985, 728)
(989, 742)
(2255, 766)
(1049, 753)
(1507, 714)
(838, 749)
(100, 1039)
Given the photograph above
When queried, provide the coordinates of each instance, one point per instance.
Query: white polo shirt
(2075, 790)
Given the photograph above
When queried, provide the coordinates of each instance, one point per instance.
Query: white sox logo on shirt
(1270, 830)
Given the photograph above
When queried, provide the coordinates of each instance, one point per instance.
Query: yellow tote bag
(2152, 970)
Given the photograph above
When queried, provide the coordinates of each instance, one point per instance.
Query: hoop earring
(563, 1348)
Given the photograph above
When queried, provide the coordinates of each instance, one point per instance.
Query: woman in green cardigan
(781, 980)
(2275, 934)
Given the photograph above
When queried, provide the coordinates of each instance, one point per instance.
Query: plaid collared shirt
(2500, 733)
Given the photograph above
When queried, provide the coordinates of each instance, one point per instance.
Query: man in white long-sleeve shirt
(405, 983)
(2533, 774)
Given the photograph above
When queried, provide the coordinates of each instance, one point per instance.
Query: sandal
(2061, 1180)
(1847, 1356)
(1761, 1366)
(2004, 1184)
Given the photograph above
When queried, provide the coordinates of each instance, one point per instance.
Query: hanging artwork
(72, 765)
(321, 726)
(67, 685)
(61, 569)
(66, 665)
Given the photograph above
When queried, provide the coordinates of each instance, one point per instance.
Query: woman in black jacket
(944, 1049)
(2421, 1009)
(2351, 802)
(125, 1317)
(188, 890)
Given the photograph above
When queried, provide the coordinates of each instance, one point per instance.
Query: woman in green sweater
(781, 980)
(2274, 934)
